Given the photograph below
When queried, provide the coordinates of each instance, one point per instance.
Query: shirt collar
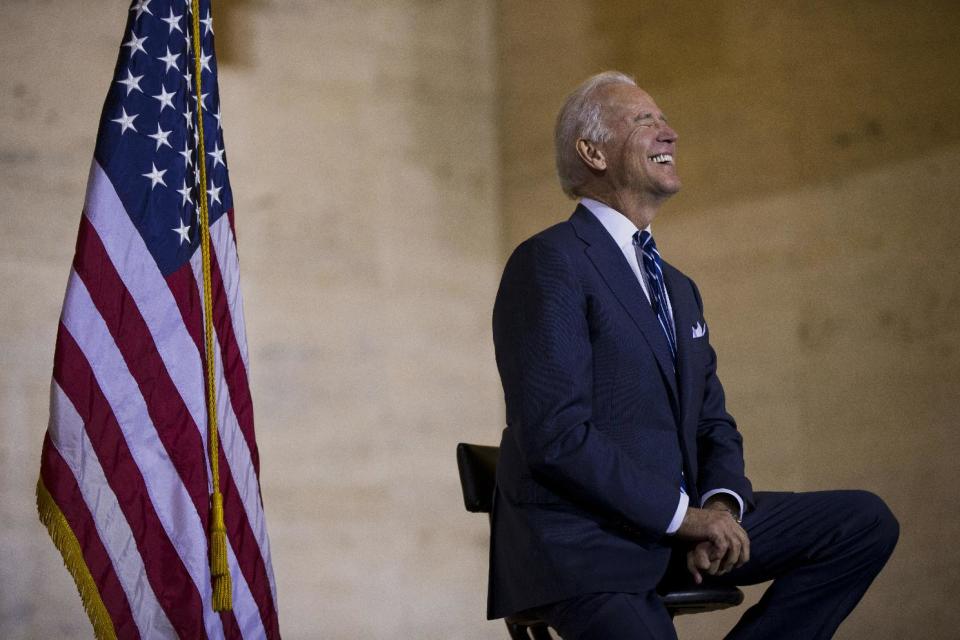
(619, 226)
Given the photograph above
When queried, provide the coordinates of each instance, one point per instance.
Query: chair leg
(517, 631)
(540, 632)
(528, 632)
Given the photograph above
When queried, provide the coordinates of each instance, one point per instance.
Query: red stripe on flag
(171, 418)
(172, 584)
(183, 285)
(62, 486)
(233, 225)
(247, 549)
(231, 630)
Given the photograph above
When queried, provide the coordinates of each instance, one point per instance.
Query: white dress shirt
(622, 230)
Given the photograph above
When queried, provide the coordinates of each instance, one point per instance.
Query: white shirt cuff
(680, 513)
(707, 495)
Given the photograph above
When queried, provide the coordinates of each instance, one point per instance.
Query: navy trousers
(821, 549)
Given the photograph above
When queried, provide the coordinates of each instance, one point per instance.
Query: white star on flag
(125, 121)
(185, 192)
(141, 7)
(184, 231)
(161, 137)
(173, 21)
(217, 116)
(217, 155)
(165, 98)
(214, 193)
(186, 153)
(132, 82)
(208, 23)
(205, 62)
(156, 176)
(135, 44)
(170, 59)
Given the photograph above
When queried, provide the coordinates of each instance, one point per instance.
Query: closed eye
(647, 119)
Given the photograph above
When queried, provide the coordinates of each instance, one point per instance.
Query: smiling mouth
(662, 158)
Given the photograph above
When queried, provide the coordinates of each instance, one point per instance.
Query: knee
(868, 510)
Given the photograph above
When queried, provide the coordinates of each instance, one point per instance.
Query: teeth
(662, 158)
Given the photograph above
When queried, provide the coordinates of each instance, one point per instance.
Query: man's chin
(670, 188)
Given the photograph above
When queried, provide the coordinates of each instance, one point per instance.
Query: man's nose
(666, 133)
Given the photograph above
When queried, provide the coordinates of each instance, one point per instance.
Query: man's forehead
(625, 96)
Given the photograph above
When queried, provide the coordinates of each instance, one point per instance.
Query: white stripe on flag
(170, 499)
(225, 246)
(69, 437)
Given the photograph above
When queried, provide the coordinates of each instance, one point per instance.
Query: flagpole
(219, 569)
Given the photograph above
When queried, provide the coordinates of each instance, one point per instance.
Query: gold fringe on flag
(68, 545)
(219, 569)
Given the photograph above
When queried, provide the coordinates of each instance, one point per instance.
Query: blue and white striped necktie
(648, 255)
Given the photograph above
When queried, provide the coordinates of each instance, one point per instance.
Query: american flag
(125, 478)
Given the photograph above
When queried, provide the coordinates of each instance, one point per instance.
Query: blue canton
(148, 137)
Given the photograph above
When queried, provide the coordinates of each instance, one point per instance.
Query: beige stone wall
(819, 148)
(362, 150)
(385, 156)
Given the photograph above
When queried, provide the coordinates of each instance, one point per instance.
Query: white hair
(581, 118)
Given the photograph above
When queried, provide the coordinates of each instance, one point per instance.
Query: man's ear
(591, 155)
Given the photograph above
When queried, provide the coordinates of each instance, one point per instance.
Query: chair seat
(696, 599)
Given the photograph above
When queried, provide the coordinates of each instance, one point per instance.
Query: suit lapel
(682, 322)
(685, 315)
(606, 256)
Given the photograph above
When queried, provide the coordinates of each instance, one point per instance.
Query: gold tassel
(222, 584)
(222, 593)
(218, 538)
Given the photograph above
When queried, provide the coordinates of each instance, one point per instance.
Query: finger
(701, 556)
(732, 557)
(720, 546)
(714, 567)
(692, 567)
(744, 540)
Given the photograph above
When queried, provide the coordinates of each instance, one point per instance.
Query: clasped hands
(719, 542)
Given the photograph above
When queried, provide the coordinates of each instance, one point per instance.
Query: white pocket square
(699, 330)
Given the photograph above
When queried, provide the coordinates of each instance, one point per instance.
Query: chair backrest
(478, 473)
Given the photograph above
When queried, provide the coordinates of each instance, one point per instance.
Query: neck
(640, 211)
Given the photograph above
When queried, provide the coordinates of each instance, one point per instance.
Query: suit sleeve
(719, 444)
(542, 341)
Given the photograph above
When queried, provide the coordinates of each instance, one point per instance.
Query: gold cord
(222, 585)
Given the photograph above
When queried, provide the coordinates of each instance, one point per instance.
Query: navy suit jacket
(599, 423)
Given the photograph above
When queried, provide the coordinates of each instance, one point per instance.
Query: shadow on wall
(804, 96)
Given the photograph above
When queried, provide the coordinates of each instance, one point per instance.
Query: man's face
(642, 154)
